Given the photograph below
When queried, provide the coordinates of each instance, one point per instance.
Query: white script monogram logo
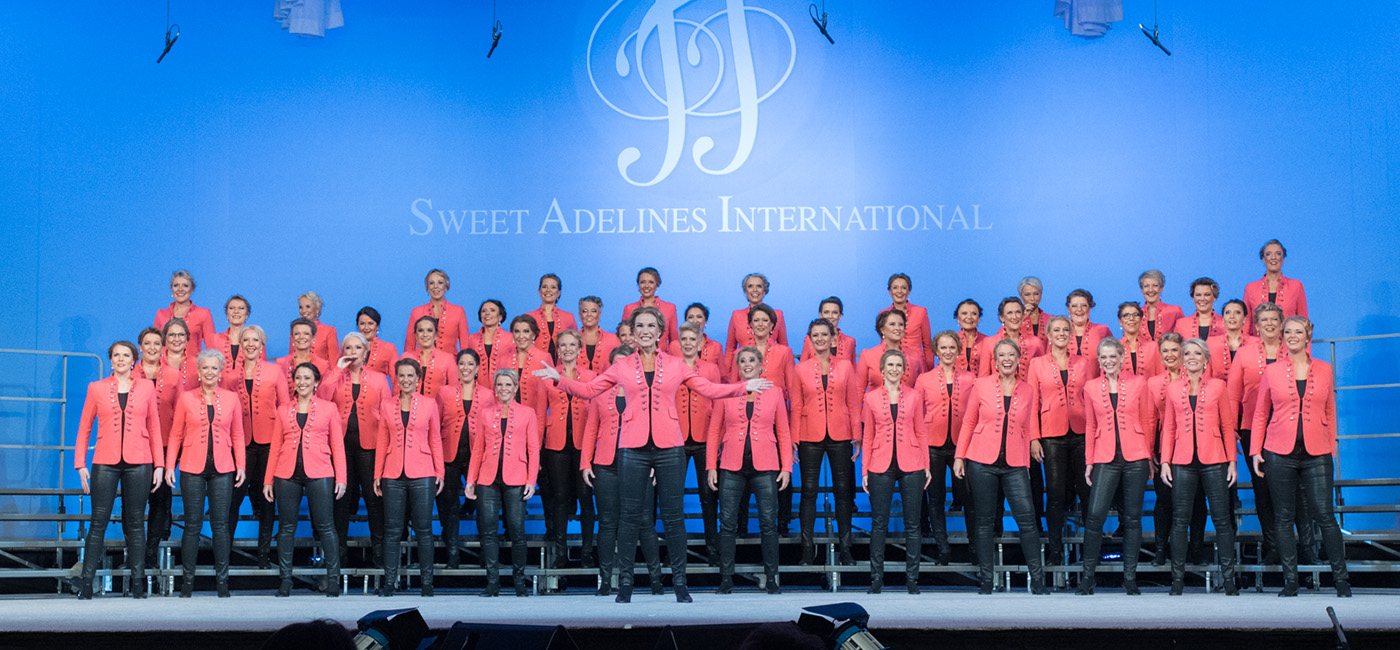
(707, 55)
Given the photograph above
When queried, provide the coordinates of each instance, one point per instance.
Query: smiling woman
(199, 320)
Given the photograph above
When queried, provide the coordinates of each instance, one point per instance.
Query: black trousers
(135, 484)
(1015, 483)
(564, 492)
(843, 486)
(1264, 506)
(1313, 476)
(634, 474)
(449, 501)
(263, 510)
(607, 492)
(764, 487)
(1127, 479)
(157, 520)
(911, 497)
(408, 499)
(359, 476)
(1064, 470)
(1162, 517)
(940, 465)
(320, 500)
(1187, 481)
(491, 502)
(709, 499)
(194, 489)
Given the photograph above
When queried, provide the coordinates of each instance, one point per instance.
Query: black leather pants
(320, 500)
(263, 510)
(1064, 469)
(359, 475)
(491, 502)
(940, 464)
(412, 499)
(764, 487)
(1187, 480)
(194, 488)
(1264, 507)
(565, 491)
(1313, 474)
(634, 474)
(134, 483)
(843, 485)
(1110, 479)
(709, 499)
(911, 497)
(157, 520)
(1162, 517)
(1015, 483)
(449, 501)
(607, 492)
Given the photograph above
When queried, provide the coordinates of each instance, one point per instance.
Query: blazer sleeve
(330, 383)
(1263, 408)
(464, 329)
(177, 434)
(590, 438)
(153, 429)
(796, 400)
(784, 440)
(337, 436)
(276, 449)
(435, 440)
(712, 390)
(1168, 428)
(408, 336)
(1302, 300)
(532, 447)
(716, 432)
(1234, 382)
(867, 436)
(853, 401)
(1329, 414)
(590, 389)
(970, 413)
(206, 328)
(1091, 429)
(920, 419)
(1035, 419)
(478, 447)
(1148, 415)
(382, 449)
(240, 458)
(1229, 415)
(85, 428)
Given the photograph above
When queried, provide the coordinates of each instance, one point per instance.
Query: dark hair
(491, 301)
(1001, 308)
(528, 320)
(147, 332)
(135, 353)
(165, 329)
(820, 322)
(412, 363)
(468, 352)
(619, 351)
(551, 276)
(315, 372)
(1125, 305)
(695, 305)
(761, 307)
(899, 276)
(1081, 293)
(884, 316)
(368, 311)
(1272, 241)
(653, 272)
(240, 298)
(427, 318)
(967, 301)
(840, 306)
(660, 318)
(320, 634)
(743, 284)
(1204, 282)
(621, 324)
(1236, 301)
(304, 321)
(593, 299)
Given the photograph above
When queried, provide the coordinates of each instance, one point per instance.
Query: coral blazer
(825, 409)
(1031, 347)
(943, 410)
(651, 413)
(740, 335)
(710, 351)
(453, 330)
(971, 358)
(845, 348)
(440, 371)
(1163, 321)
(534, 392)
(326, 344)
(1247, 372)
(562, 321)
(1220, 357)
(189, 438)
(917, 333)
(1060, 404)
(600, 435)
(1291, 298)
(672, 331)
(1141, 357)
(692, 408)
(288, 365)
(233, 355)
(868, 368)
(188, 369)
(131, 435)
(982, 431)
(515, 450)
(382, 355)
(260, 406)
(413, 451)
(767, 434)
(1087, 346)
(607, 341)
(199, 320)
(777, 366)
(321, 443)
(1132, 425)
(339, 388)
(883, 439)
(502, 347)
(1280, 408)
(456, 421)
(1189, 329)
(566, 413)
(167, 387)
(1209, 429)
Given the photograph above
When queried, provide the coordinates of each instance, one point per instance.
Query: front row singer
(505, 462)
(408, 472)
(651, 440)
(895, 448)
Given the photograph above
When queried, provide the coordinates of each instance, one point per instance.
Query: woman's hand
(267, 492)
(83, 477)
(529, 491)
(855, 450)
(758, 385)
(380, 493)
(712, 478)
(1088, 471)
(471, 490)
(959, 467)
(344, 362)
(1166, 474)
(928, 478)
(784, 477)
(440, 484)
(865, 483)
(170, 479)
(339, 490)
(1231, 474)
(1258, 461)
(238, 478)
(156, 477)
(1037, 451)
(546, 372)
(588, 477)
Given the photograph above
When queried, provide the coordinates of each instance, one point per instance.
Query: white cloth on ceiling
(1089, 18)
(308, 18)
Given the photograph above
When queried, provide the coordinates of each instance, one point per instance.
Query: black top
(588, 351)
(1152, 328)
(1078, 342)
(121, 401)
(1232, 353)
(1133, 356)
(894, 438)
(1203, 332)
(464, 441)
(301, 420)
(1005, 425)
(233, 352)
(553, 348)
(501, 457)
(1117, 436)
(404, 414)
(1270, 361)
(824, 382)
(300, 472)
(1195, 460)
(1273, 297)
(488, 347)
(650, 376)
(950, 415)
(1300, 448)
(1064, 377)
(748, 467)
(248, 383)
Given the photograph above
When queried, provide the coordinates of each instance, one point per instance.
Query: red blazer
(1031, 347)
(199, 320)
(651, 409)
(1039, 327)
(710, 351)
(1136, 424)
(188, 369)
(562, 409)
(1220, 357)
(440, 371)
(868, 368)
(1060, 405)
(288, 366)
(740, 335)
(501, 349)
(260, 407)
(452, 330)
(455, 420)
(607, 341)
(668, 310)
(917, 333)
(382, 355)
(562, 321)
(600, 435)
(833, 409)
(1245, 375)
(534, 393)
(1291, 298)
(1210, 430)
(232, 355)
(943, 412)
(189, 438)
(516, 450)
(339, 388)
(1280, 407)
(981, 435)
(138, 442)
(1141, 357)
(414, 451)
(1087, 346)
(1187, 327)
(882, 435)
(971, 358)
(1163, 321)
(692, 408)
(167, 387)
(769, 437)
(326, 344)
(777, 366)
(845, 348)
(322, 443)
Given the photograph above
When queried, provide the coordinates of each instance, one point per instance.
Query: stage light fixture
(169, 29)
(820, 22)
(1154, 34)
(392, 629)
(496, 31)
(845, 625)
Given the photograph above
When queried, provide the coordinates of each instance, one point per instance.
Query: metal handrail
(1332, 349)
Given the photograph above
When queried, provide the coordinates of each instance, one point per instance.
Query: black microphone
(168, 43)
(495, 39)
(821, 24)
(1154, 37)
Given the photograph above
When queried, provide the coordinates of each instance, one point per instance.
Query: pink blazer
(1031, 347)
(1280, 408)
(1141, 358)
(1189, 329)
(414, 451)
(188, 369)
(971, 358)
(1246, 373)
(1163, 321)
(516, 449)
(1291, 298)
(1220, 357)
(452, 331)
(382, 355)
(600, 435)
(1209, 430)
(710, 351)
(167, 387)
(232, 355)
(136, 438)
(260, 406)
(1060, 404)
(534, 393)
(1087, 346)
(189, 438)
(944, 411)
(566, 413)
(321, 442)
(777, 366)
(883, 438)
(456, 421)
(288, 365)
(668, 310)
(767, 433)
(598, 361)
(868, 368)
(845, 348)
(740, 335)
(440, 371)
(651, 412)
(502, 347)
(1131, 425)
(1039, 327)
(339, 388)
(199, 320)
(982, 431)
(562, 321)
(917, 331)
(326, 344)
(825, 409)
(692, 408)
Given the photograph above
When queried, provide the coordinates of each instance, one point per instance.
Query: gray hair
(315, 299)
(744, 283)
(210, 354)
(693, 328)
(354, 335)
(1198, 342)
(505, 372)
(1111, 342)
(1152, 274)
(1029, 280)
(182, 273)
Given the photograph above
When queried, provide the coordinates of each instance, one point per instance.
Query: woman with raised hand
(326, 342)
(227, 342)
(916, 342)
(128, 456)
(357, 390)
(1029, 346)
(826, 399)
(648, 281)
(994, 453)
(1204, 322)
(306, 338)
(1274, 288)
(894, 444)
(1198, 451)
(382, 354)
(549, 317)
(438, 366)
(408, 471)
(598, 343)
(1295, 426)
(843, 346)
(693, 410)
(261, 388)
(492, 342)
(206, 442)
(1140, 355)
(1225, 347)
(1158, 318)
(563, 440)
(890, 326)
(968, 316)
(461, 404)
(1086, 333)
(1119, 433)
(1057, 382)
(453, 329)
(944, 390)
(1037, 322)
(198, 320)
(504, 470)
(755, 286)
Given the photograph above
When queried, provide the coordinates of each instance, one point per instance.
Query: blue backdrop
(967, 144)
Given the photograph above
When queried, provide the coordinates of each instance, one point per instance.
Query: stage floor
(934, 609)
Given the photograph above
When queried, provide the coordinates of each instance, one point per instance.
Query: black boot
(187, 583)
(454, 558)
(222, 585)
(809, 553)
(425, 576)
(771, 583)
(391, 582)
(877, 583)
(1178, 577)
(843, 546)
(285, 588)
(726, 585)
(522, 588)
(138, 580)
(1087, 579)
(85, 588)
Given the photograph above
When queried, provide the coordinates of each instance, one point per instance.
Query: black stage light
(845, 625)
(391, 629)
